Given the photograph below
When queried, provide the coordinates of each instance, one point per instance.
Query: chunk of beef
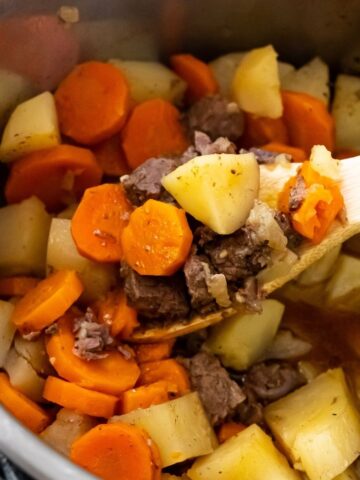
(216, 116)
(155, 297)
(250, 411)
(203, 145)
(195, 277)
(294, 238)
(239, 255)
(297, 193)
(263, 157)
(250, 295)
(91, 337)
(203, 235)
(144, 182)
(219, 394)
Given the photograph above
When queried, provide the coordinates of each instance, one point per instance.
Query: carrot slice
(92, 102)
(70, 395)
(143, 397)
(115, 311)
(151, 352)
(17, 286)
(57, 176)
(24, 409)
(117, 451)
(169, 370)
(98, 222)
(197, 74)
(308, 121)
(228, 430)
(48, 301)
(343, 153)
(261, 130)
(153, 129)
(157, 239)
(113, 374)
(111, 157)
(297, 154)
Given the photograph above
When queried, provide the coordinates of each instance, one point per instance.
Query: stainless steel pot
(149, 29)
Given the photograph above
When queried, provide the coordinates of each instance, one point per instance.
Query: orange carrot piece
(48, 301)
(117, 451)
(298, 155)
(17, 286)
(131, 323)
(343, 153)
(111, 157)
(98, 222)
(151, 352)
(157, 239)
(24, 409)
(70, 395)
(308, 121)
(153, 129)
(114, 310)
(228, 430)
(197, 74)
(261, 130)
(113, 374)
(92, 102)
(169, 370)
(145, 396)
(58, 176)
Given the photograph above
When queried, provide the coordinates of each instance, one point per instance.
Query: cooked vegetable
(224, 69)
(273, 179)
(56, 176)
(218, 190)
(62, 254)
(228, 430)
(7, 329)
(92, 102)
(67, 427)
(349, 474)
(70, 395)
(198, 76)
(117, 451)
(148, 80)
(346, 112)
(114, 310)
(98, 222)
(308, 121)
(16, 286)
(143, 397)
(342, 290)
(158, 123)
(262, 130)
(179, 428)
(157, 239)
(33, 351)
(312, 78)
(256, 85)
(112, 374)
(23, 377)
(321, 270)
(24, 233)
(111, 157)
(32, 126)
(48, 301)
(286, 346)
(169, 370)
(324, 164)
(249, 455)
(24, 409)
(318, 426)
(151, 352)
(298, 155)
(242, 339)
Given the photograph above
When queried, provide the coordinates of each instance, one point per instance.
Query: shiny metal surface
(148, 29)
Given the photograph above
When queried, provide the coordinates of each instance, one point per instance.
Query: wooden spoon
(308, 254)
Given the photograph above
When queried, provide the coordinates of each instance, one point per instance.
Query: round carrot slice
(70, 395)
(48, 301)
(98, 222)
(92, 102)
(117, 451)
(157, 239)
(56, 176)
(111, 157)
(112, 374)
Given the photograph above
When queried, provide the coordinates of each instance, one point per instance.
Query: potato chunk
(32, 126)
(218, 190)
(33, 351)
(7, 330)
(318, 426)
(273, 179)
(242, 339)
(249, 455)
(321, 270)
(343, 289)
(62, 254)
(24, 233)
(180, 428)
(346, 111)
(149, 80)
(256, 85)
